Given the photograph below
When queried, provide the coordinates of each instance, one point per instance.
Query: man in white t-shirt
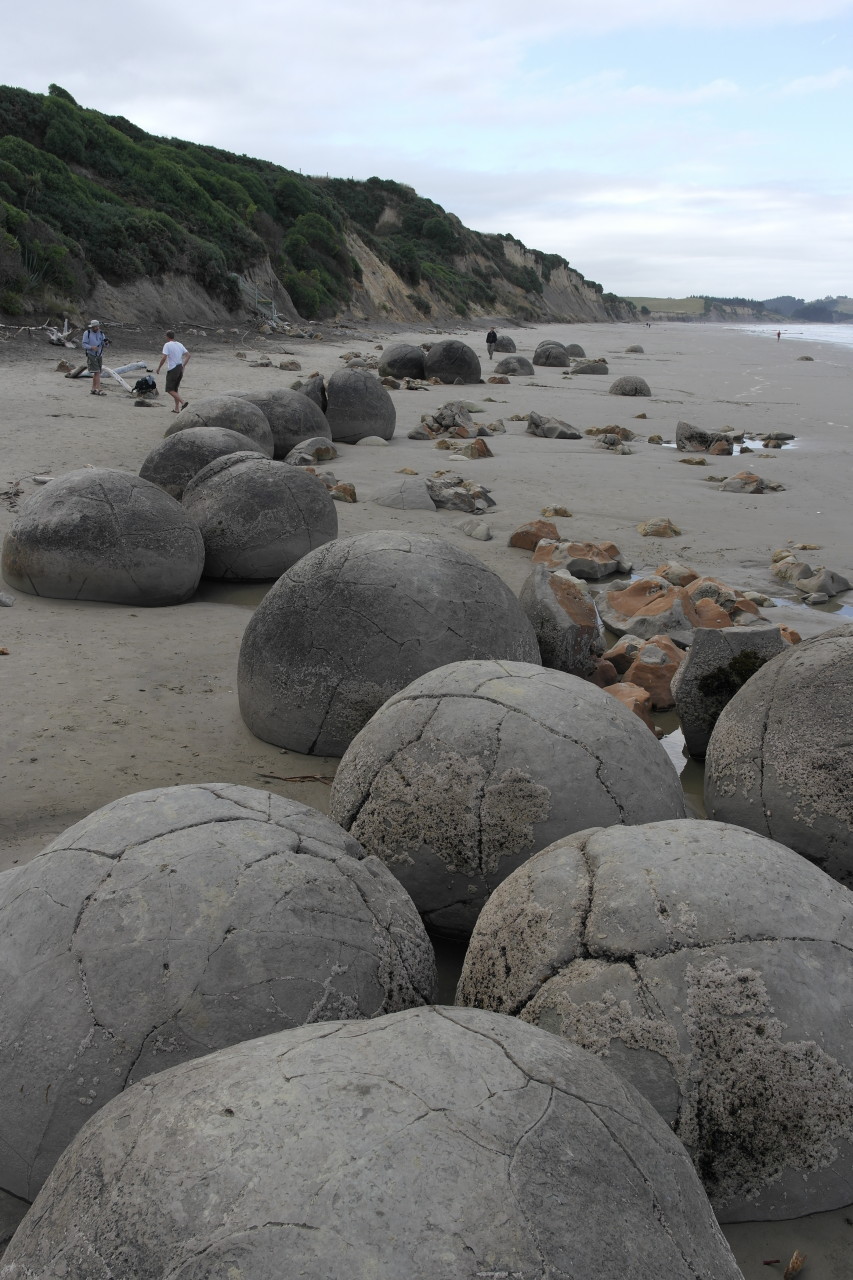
(176, 358)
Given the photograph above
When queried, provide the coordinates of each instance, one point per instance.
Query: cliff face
(565, 295)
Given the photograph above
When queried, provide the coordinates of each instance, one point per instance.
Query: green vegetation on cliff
(85, 195)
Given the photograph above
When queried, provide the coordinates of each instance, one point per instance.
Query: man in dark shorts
(491, 342)
(176, 358)
(93, 345)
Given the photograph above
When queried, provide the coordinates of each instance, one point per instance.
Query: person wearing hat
(93, 344)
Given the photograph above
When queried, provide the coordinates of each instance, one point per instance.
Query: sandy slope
(101, 700)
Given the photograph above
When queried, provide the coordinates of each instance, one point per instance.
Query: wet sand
(100, 700)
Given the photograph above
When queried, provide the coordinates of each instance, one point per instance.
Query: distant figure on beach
(176, 358)
(491, 342)
(778, 334)
(94, 341)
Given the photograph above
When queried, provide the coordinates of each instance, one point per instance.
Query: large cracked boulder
(718, 664)
(434, 1144)
(228, 413)
(402, 361)
(174, 461)
(258, 517)
(462, 776)
(292, 416)
(174, 922)
(551, 354)
(711, 968)
(99, 534)
(505, 344)
(630, 385)
(565, 619)
(452, 361)
(780, 757)
(359, 406)
(514, 366)
(357, 620)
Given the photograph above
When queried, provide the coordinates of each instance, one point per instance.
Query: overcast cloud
(664, 147)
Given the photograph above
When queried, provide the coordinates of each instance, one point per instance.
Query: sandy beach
(102, 700)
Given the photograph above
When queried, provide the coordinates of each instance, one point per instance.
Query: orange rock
(650, 596)
(475, 449)
(747, 606)
(604, 675)
(712, 614)
(528, 536)
(653, 669)
(584, 559)
(344, 492)
(624, 652)
(680, 575)
(635, 699)
(498, 378)
(789, 634)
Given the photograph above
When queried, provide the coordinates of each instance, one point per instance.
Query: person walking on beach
(778, 334)
(491, 342)
(176, 358)
(94, 341)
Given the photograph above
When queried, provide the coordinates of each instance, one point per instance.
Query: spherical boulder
(514, 366)
(780, 757)
(173, 463)
(359, 406)
(630, 385)
(434, 1144)
(551, 353)
(467, 772)
(402, 361)
(230, 413)
(575, 350)
(99, 534)
(452, 361)
(505, 344)
(360, 618)
(292, 417)
(258, 517)
(174, 922)
(711, 967)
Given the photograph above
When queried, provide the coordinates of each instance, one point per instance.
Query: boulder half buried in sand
(403, 360)
(452, 361)
(357, 620)
(174, 922)
(98, 534)
(780, 757)
(257, 516)
(229, 413)
(425, 1145)
(174, 461)
(464, 774)
(709, 966)
(292, 416)
(630, 385)
(358, 407)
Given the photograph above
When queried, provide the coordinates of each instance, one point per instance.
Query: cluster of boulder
(693, 439)
(818, 585)
(453, 420)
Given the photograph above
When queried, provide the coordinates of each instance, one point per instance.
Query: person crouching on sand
(176, 357)
(491, 342)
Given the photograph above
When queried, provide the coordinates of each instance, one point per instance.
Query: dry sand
(102, 700)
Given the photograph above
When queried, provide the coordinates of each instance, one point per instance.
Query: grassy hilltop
(87, 197)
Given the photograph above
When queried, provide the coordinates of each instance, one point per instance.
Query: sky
(665, 147)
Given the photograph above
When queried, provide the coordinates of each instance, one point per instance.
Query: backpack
(145, 386)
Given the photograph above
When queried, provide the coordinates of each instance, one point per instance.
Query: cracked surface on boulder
(175, 460)
(434, 1144)
(780, 757)
(174, 922)
(712, 967)
(460, 777)
(357, 620)
(258, 517)
(103, 534)
(228, 412)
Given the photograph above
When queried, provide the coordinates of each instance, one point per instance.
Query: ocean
(841, 335)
